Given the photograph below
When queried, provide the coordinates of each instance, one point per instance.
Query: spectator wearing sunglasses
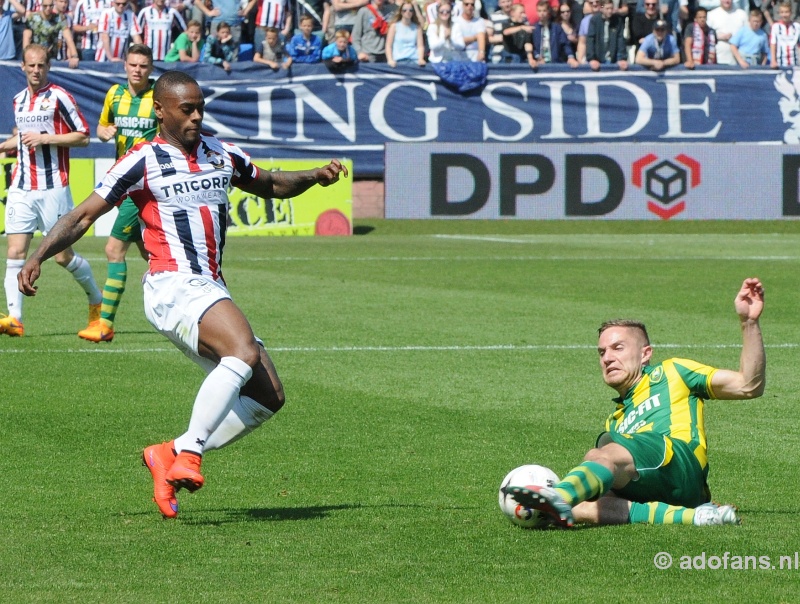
(471, 29)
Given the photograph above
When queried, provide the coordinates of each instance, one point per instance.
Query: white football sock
(245, 416)
(13, 295)
(216, 397)
(82, 273)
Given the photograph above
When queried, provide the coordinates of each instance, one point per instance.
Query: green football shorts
(126, 226)
(668, 470)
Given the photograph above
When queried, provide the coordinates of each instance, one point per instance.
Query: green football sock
(112, 291)
(655, 512)
(587, 481)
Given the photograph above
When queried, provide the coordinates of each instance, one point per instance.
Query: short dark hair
(703, 10)
(36, 48)
(625, 323)
(170, 79)
(140, 49)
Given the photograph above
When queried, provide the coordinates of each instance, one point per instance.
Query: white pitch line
(411, 348)
(531, 258)
(518, 258)
(496, 239)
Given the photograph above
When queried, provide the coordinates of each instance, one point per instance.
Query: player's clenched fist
(330, 173)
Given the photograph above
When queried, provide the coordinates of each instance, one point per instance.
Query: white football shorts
(31, 211)
(174, 303)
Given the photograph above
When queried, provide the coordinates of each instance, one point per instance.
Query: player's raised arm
(750, 380)
(64, 233)
(289, 184)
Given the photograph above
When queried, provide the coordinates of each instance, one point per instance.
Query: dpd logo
(666, 182)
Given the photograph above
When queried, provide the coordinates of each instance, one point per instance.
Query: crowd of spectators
(656, 34)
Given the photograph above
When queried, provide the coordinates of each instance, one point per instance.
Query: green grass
(419, 370)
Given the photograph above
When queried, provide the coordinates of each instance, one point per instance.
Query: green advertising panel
(6, 166)
(318, 211)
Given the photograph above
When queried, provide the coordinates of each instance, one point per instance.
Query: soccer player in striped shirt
(783, 39)
(118, 25)
(156, 22)
(651, 463)
(86, 24)
(49, 123)
(179, 182)
(129, 118)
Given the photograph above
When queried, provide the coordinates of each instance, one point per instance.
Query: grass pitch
(421, 361)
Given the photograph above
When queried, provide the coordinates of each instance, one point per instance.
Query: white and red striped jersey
(785, 38)
(50, 110)
(272, 13)
(119, 27)
(182, 200)
(86, 13)
(156, 26)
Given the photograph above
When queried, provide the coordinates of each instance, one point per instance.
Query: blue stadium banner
(312, 113)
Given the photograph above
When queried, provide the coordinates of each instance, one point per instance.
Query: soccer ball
(525, 476)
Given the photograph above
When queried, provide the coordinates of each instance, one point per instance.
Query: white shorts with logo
(29, 211)
(174, 303)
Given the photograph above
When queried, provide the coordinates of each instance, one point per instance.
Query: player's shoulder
(62, 94)
(142, 147)
(116, 90)
(136, 158)
(212, 142)
(234, 150)
(682, 365)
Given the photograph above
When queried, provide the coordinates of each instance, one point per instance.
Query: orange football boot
(185, 472)
(97, 332)
(11, 326)
(159, 459)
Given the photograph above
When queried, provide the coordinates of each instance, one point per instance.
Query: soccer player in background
(48, 123)
(129, 118)
(651, 463)
(117, 27)
(179, 183)
(157, 22)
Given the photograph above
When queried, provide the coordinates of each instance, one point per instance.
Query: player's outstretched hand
(28, 276)
(330, 173)
(749, 302)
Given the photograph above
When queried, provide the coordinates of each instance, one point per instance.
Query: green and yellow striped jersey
(667, 400)
(132, 115)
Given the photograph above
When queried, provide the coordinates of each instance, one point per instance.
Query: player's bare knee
(250, 354)
(601, 456)
(596, 455)
(16, 253)
(64, 258)
(114, 253)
